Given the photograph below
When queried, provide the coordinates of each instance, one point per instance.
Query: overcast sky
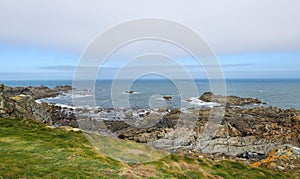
(251, 38)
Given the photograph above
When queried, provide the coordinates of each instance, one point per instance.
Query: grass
(30, 150)
(126, 151)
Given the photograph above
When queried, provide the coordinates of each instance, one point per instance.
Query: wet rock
(229, 100)
(167, 97)
(129, 92)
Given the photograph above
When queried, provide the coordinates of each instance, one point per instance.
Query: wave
(132, 93)
(162, 99)
(81, 95)
(198, 102)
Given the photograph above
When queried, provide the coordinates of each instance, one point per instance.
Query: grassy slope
(29, 149)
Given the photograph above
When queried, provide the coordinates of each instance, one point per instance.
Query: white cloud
(228, 26)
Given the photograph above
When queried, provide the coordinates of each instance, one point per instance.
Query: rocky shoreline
(263, 136)
(19, 102)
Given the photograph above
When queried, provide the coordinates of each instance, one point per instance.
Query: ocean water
(284, 93)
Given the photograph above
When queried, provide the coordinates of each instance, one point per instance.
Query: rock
(207, 97)
(148, 121)
(281, 158)
(227, 130)
(36, 92)
(249, 133)
(175, 111)
(23, 105)
(65, 88)
(167, 97)
(296, 118)
(163, 109)
(281, 168)
(229, 100)
(1, 88)
(129, 114)
(168, 121)
(252, 155)
(296, 150)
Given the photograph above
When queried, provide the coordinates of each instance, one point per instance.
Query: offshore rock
(229, 100)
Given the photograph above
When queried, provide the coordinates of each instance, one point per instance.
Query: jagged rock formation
(243, 132)
(22, 106)
(36, 92)
(19, 103)
(284, 158)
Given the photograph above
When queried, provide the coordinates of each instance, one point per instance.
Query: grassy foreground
(30, 150)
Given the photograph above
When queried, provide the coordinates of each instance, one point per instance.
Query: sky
(42, 40)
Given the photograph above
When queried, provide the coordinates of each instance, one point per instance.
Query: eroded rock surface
(20, 103)
(36, 92)
(243, 132)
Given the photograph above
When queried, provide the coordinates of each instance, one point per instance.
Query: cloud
(59, 68)
(36, 76)
(228, 26)
(137, 65)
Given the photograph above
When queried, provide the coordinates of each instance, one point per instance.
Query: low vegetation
(29, 149)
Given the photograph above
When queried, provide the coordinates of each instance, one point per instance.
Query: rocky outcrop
(17, 103)
(283, 158)
(229, 100)
(167, 97)
(129, 92)
(243, 132)
(36, 92)
(22, 106)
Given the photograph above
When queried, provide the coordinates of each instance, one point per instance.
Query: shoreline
(242, 133)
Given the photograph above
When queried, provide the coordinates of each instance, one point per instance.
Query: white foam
(132, 93)
(198, 102)
(162, 99)
(81, 95)
(38, 101)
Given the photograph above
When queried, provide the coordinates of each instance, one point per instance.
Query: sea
(149, 93)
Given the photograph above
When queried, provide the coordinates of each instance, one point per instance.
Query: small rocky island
(261, 136)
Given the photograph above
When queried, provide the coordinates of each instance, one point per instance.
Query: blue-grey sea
(284, 93)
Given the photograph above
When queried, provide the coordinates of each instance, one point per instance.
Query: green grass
(126, 151)
(30, 150)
